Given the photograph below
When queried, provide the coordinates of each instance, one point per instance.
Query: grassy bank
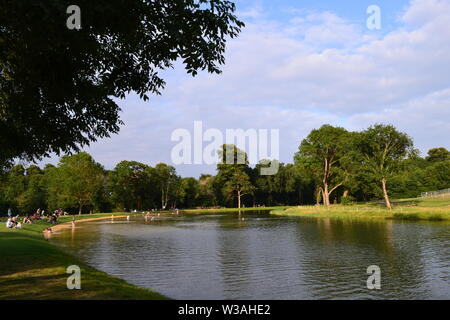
(32, 268)
(405, 209)
(224, 210)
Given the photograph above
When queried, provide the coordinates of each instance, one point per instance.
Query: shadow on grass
(32, 268)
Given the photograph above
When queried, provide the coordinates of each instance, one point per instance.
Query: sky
(296, 66)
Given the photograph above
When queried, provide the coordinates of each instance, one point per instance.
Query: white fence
(432, 194)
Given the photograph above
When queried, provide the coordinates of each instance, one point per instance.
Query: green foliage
(291, 185)
(130, 184)
(78, 181)
(382, 149)
(323, 152)
(169, 184)
(438, 154)
(58, 85)
(206, 196)
(347, 200)
(75, 182)
(232, 181)
(239, 185)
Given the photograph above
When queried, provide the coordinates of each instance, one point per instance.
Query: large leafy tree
(239, 184)
(168, 182)
(58, 86)
(383, 149)
(323, 152)
(131, 185)
(75, 182)
(233, 174)
(438, 154)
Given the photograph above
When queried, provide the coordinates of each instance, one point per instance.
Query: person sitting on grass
(53, 219)
(10, 223)
(26, 220)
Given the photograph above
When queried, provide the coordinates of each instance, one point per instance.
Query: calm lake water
(222, 256)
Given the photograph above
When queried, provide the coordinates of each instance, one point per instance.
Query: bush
(347, 201)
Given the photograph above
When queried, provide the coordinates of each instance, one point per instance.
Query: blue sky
(298, 65)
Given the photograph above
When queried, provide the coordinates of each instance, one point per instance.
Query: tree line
(332, 165)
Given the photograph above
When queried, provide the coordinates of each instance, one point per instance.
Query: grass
(32, 268)
(432, 209)
(224, 210)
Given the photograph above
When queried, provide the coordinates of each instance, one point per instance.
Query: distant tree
(322, 152)
(75, 182)
(239, 184)
(57, 86)
(232, 179)
(13, 187)
(206, 197)
(190, 192)
(438, 154)
(34, 196)
(437, 176)
(130, 185)
(287, 186)
(168, 183)
(383, 149)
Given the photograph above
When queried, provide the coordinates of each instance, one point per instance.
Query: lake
(258, 256)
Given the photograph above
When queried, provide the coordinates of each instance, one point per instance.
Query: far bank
(437, 209)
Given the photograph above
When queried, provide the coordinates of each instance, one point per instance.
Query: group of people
(13, 222)
(51, 218)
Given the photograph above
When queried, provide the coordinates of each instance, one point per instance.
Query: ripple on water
(263, 257)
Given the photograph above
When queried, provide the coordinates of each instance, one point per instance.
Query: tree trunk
(239, 199)
(80, 209)
(386, 197)
(326, 194)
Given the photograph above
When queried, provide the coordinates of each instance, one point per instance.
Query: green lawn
(32, 268)
(437, 209)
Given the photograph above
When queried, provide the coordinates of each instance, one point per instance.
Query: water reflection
(258, 256)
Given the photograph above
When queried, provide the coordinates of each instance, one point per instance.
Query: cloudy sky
(298, 65)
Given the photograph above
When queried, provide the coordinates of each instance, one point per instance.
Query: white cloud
(313, 69)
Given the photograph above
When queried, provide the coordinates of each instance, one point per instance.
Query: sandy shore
(69, 224)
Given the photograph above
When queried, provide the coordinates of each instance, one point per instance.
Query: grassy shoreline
(225, 210)
(33, 268)
(406, 209)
